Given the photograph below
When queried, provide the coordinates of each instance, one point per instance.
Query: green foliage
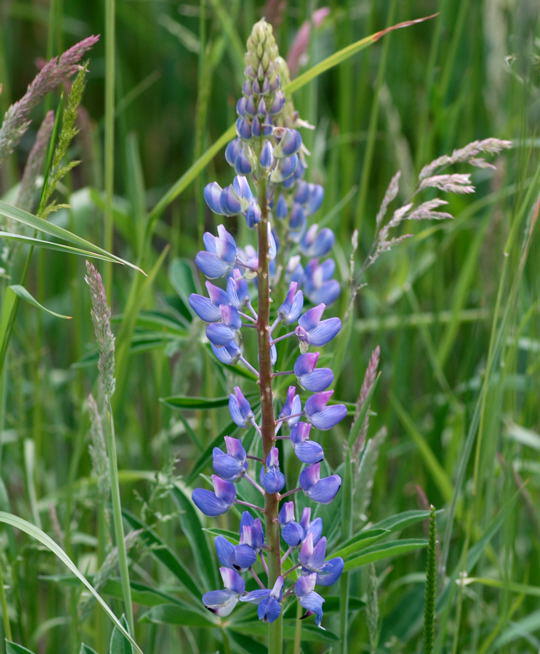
(453, 417)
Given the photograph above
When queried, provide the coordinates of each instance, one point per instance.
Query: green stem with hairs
(118, 527)
(271, 501)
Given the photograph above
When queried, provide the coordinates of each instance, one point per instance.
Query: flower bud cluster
(269, 162)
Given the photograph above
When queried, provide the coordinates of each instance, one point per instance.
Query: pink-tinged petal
(306, 363)
(232, 580)
(328, 417)
(310, 476)
(317, 380)
(224, 489)
(305, 584)
(311, 318)
(317, 402)
(325, 490)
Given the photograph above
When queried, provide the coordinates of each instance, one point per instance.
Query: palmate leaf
(309, 631)
(41, 225)
(179, 615)
(37, 534)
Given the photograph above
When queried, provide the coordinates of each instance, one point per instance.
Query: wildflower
(314, 331)
(217, 502)
(222, 602)
(319, 490)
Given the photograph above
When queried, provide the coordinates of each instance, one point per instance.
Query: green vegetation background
(455, 310)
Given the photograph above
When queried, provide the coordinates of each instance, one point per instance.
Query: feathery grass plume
(98, 449)
(53, 74)
(69, 129)
(34, 164)
(101, 319)
(449, 183)
(366, 473)
(369, 380)
(431, 585)
(299, 47)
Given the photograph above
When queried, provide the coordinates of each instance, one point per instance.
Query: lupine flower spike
(269, 191)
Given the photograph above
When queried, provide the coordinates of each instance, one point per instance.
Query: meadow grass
(455, 311)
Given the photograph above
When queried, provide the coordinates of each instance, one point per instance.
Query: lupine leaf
(13, 648)
(119, 644)
(184, 402)
(230, 535)
(309, 631)
(86, 649)
(164, 554)
(360, 541)
(192, 526)
(173, 614)
(384, 551)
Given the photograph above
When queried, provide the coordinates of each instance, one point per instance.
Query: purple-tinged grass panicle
(101, 319)
(34, 164)
(54, 73)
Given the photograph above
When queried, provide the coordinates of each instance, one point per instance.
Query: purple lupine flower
(304, 590)
(231, 465)
(217, 502)
(292, 407)
(289, 141)
(269, 601)
(220, 254)
(319, 490)
(306, 450)
(291, 531)
(318, 284)
(315, 243)
(237, 289)
(314, 331)
(251, 531)
(240, 408)
(239, 557)
(295, 272)
(308, 376)
(322, 416)
(312, 557)
(228, 353)
(292, 305)
(313, 527)
(281, 210)
(222, 602)
(271, 477)
(204, 308)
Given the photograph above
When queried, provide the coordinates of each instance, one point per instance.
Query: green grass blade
(25, 295)
(40, 536)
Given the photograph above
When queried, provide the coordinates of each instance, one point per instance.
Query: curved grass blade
(41, 225)
(39, 535)
(25, 295)
(13, 648)
(163, 554)
(333, 60)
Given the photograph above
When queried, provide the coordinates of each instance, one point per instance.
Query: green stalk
(118, 526)
(271, 502)
(4, 605)
(109, 133)
(346, 533)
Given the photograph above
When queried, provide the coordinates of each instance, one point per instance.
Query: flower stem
(110, 442)
(271, 502)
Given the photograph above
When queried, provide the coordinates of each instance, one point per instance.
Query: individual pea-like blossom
(269, 192)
